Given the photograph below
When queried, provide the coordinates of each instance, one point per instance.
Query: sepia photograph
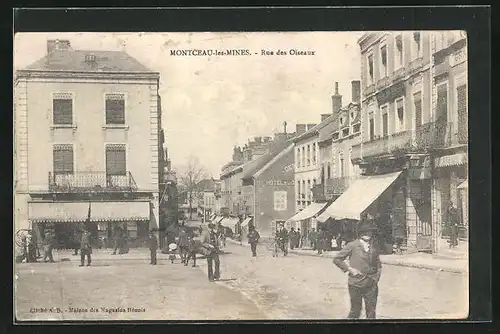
(241, 175)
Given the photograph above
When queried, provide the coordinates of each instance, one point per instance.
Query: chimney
(300, 129)
(336, 99)
(324, 116)
(310, 126)
(56, 44)
(356, 91)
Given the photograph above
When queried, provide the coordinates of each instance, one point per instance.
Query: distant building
(88, 134)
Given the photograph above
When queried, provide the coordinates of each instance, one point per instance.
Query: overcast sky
(212, 103)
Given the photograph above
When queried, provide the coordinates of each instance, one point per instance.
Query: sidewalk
(415, 260)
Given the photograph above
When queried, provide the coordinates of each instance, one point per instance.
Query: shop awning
(308, 212)
(229, 222)
(358, 197)
(217, 220)
(451, 160)
(120, 211)
(58, 212)
(246, 221)
(464, 185)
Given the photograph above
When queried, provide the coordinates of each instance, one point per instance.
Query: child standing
(171, 249)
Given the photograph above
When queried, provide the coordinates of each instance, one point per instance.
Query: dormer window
(341, 121)
(345, 132)
(90, 58)
(335, 136)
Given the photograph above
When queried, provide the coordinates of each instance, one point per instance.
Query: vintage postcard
(241, 176)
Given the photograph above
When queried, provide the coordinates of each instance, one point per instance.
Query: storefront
(304, 218)
(68, 219)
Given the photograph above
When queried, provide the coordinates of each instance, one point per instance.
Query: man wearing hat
(211, 243)
(364, 269)
(85, 248)
(153, 246)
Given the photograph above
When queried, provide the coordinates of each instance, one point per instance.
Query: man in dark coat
(85, 249)
(153, 246)
(48, 244)
(364, 269)
(453, 223)
(211, 243)
(313, 238)
(293, 238)
(118, 238)
(253, 238)
(283, 238)
(299, 239)
(320, 241)
(183, 244)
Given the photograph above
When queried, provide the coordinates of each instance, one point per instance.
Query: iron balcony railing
(338, 185)
(82, 182)
(433, 135)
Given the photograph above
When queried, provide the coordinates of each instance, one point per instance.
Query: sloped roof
(74, 60)
(326, 133)
(255, 165)
(315, 129)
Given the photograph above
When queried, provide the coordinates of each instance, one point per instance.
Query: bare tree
(189, 181)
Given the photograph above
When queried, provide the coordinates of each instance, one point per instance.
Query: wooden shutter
(63, 159)
(63, 110)
(462, 113)
(417, 101)
(115, 109)
(116, 160)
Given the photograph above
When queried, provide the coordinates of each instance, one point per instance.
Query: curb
(384, 261)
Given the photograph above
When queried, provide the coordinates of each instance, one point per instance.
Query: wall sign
(278, 183)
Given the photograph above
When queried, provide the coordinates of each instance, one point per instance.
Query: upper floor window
(62, 108)
(370, 69)
(115, 109)
(116, 162)
(63, 159)
(398, 51)
(280, 200)
(371, 130)
(308, 155)
(416, 44)
(385, 121)
(314, 154)
(383, 61)
(298, 157)
(400, 115)
(303, 156)
(417, 106)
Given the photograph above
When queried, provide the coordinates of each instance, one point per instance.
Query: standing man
(48, 243)
(153, 246)
(118, 235)
(283, 238)
(313, 238)
(320, 240)
(293, 238)
(253, 238)
(85, 248)
(183, 244)
(364, 269)
(453, 223)
(211, 243)
(299, 238)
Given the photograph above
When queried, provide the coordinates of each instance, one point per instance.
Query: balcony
(86, 182)
(382, 83)
(337, 186)
(434, 135)
(398, 74)
(369, 90)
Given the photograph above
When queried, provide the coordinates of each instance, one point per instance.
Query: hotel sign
(277, 183)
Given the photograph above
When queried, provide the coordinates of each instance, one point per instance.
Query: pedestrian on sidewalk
(313, 238)
(85, 249)
(453, 223)
(293, 237)
(153, 246)
(118, 239)
(48, 244)
(253, 238)
(320, 241)
(211, 244)
(283, 239)
(299, 238)
(364, 269)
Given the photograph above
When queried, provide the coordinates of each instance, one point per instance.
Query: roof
(314, 130)
(256, 165)
(74, 60)
(206, 185)
(274, 159)
(326, 133)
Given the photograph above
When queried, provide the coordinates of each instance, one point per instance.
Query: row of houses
(398, 150)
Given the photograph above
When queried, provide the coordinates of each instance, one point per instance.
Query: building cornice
(86, 74)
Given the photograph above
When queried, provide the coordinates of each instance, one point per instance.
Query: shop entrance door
(423, 218)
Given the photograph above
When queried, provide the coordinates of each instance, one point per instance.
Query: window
(462, 113)
(442, 103)
(308, 155)
(356, 128)
(62, 108)
(314, 154)
(280, 200)
(303, 156)
(298, 190)
(116, 160)
(115, 109)
(400, 115)
(342, 166)
(329, 171)
(385, 121)
(416, 45)
(383, 61)
(309, 195)
(372, 127)
(370, 69)
(398, 51)
(62, 159)
(417, 105)
(298, 158)
(303, 189)
(314, 182)
(335, 136)
(323, 174)
(345, 132)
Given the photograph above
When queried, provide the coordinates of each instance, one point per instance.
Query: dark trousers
(284, 247)
(85, 253)
(369, 294)
(153, 256)
(47, 254)
(253, 246)
(454, 236)
(211, 259)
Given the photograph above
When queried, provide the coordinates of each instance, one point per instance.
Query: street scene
(241, 176)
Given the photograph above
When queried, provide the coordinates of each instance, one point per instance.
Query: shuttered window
(116, 160)
(115, 109)
(63, 159)
(462, 113)
(62, 108)
(417, 102)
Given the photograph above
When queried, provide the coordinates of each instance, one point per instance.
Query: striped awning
(451, 160)
(119, 211)
(246, 221)
(229, 222)
(58, 212)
